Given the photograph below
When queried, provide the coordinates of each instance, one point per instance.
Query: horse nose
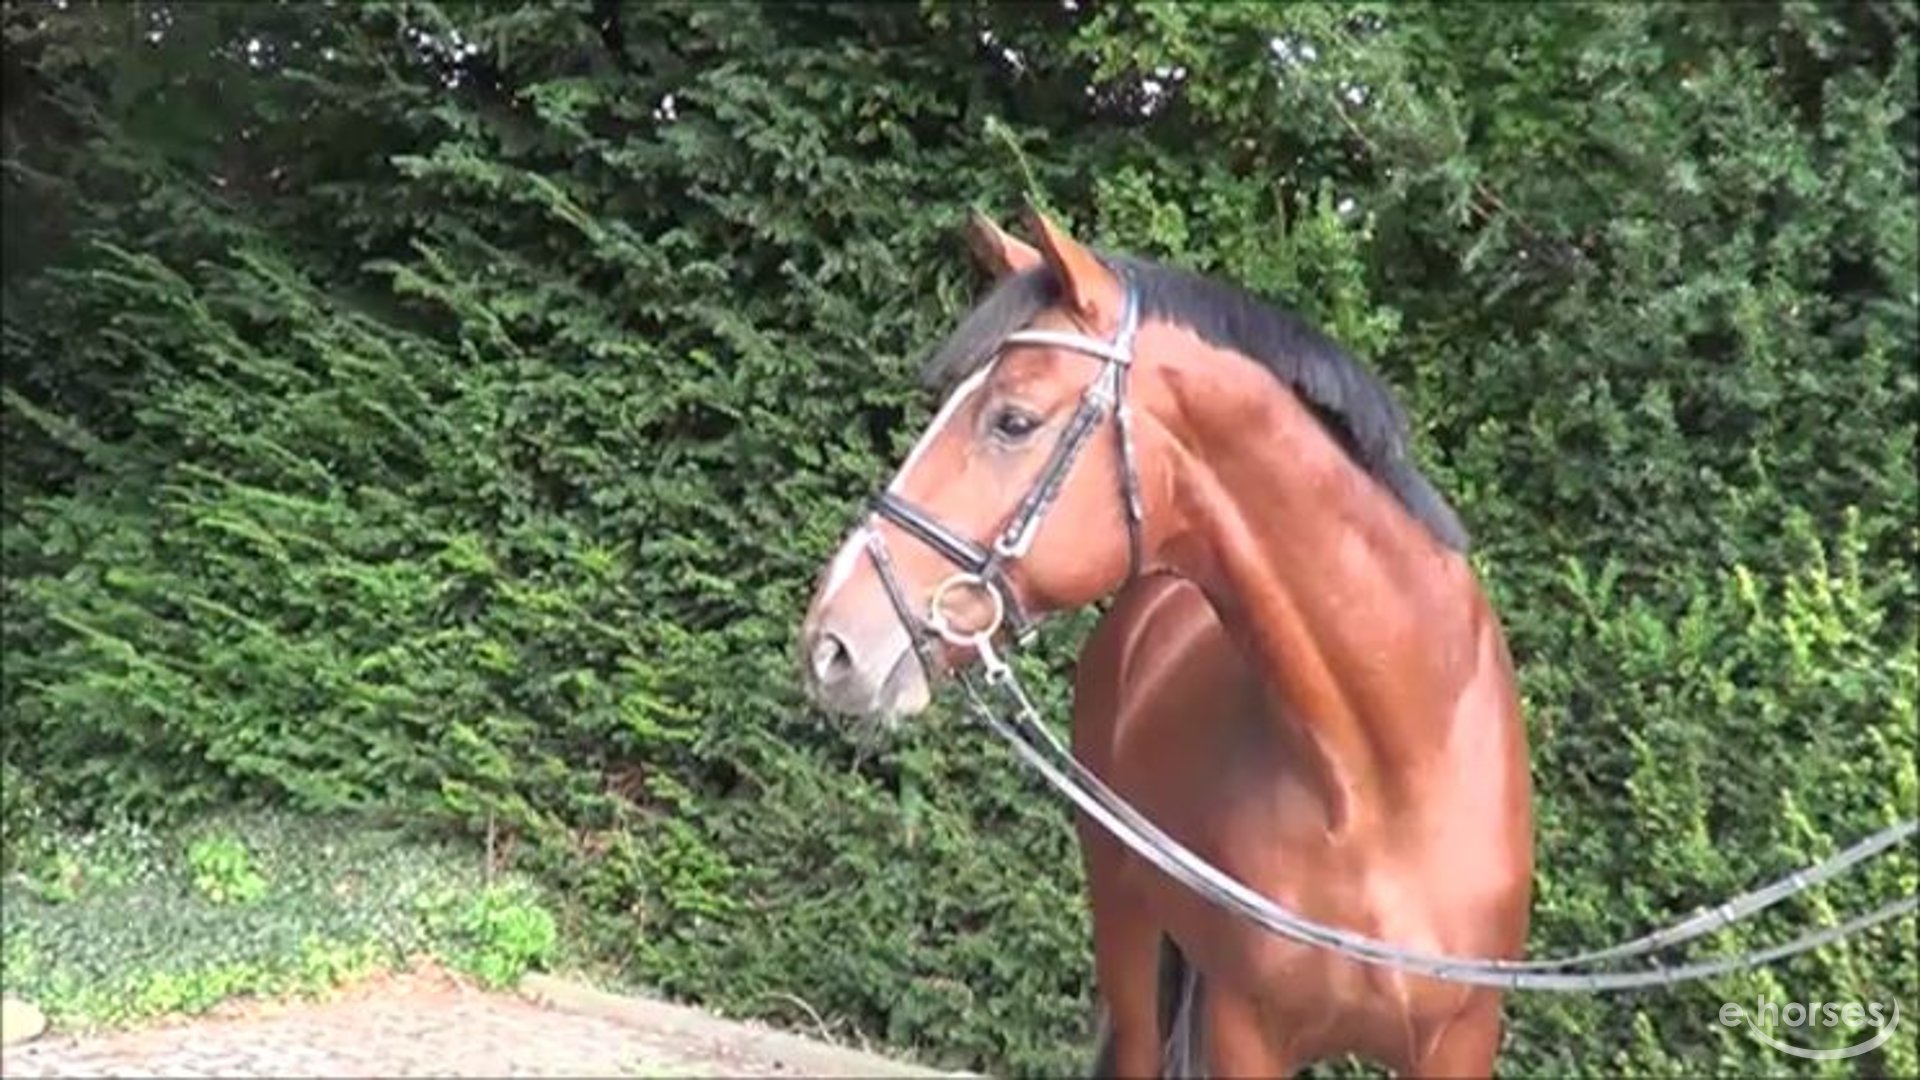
(829, 660)
(857, 670)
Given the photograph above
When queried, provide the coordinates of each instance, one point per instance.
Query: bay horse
(1300, 677)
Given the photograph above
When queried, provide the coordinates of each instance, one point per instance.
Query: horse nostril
(832, 660)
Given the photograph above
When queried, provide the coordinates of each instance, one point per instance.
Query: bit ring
(937, 616)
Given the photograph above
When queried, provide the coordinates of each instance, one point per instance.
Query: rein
(1041, 749)
(983, 571)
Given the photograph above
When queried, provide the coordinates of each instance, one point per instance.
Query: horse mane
(1357, 410)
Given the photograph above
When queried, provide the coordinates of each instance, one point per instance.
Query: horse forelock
(1012, 305)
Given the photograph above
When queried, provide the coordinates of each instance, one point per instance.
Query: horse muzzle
(866, 669)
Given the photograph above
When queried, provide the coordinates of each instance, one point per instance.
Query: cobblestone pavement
(398, 1028)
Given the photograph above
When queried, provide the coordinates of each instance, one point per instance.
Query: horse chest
(1228, 793)
(1224, 794)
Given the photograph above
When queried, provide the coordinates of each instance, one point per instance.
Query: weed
(223, 871)
(497, 935)
(55, 877)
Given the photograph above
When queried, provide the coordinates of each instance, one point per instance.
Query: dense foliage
(444, 408)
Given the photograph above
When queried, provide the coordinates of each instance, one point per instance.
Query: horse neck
(1351, 611)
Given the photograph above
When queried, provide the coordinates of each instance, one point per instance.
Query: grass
(125, 924)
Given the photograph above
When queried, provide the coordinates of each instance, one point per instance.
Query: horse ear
(998, 252)
(1092, 289)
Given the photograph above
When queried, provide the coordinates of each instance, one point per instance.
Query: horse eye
(1014, 424)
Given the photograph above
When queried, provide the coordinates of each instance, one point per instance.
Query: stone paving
(399, 1028)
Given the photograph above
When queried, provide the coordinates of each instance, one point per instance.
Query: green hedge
(444, 409)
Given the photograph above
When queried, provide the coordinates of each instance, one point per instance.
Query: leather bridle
(985, 568)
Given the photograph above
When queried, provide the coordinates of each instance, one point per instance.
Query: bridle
(984, 569)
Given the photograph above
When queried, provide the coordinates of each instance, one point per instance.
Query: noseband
(984, 569)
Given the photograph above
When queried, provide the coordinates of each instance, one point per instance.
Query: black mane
(1357, 410)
